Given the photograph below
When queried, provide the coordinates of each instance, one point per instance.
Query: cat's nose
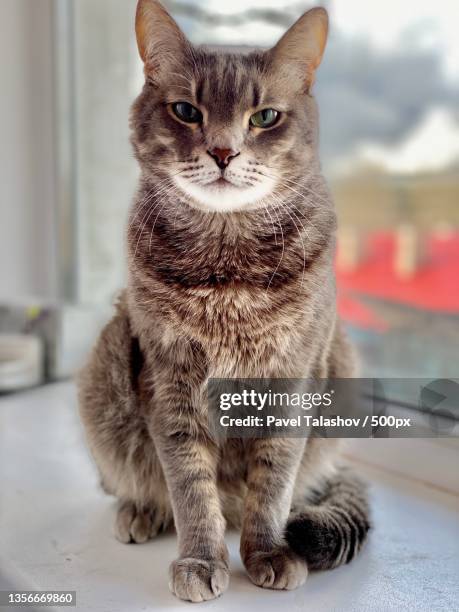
(222, 157)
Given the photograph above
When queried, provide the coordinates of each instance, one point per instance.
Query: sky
(433, 142)
(431, 146)
(421, 23)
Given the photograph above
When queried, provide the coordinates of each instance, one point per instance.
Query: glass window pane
(389, 98)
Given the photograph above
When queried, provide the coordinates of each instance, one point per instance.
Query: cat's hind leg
(137, 525)
(112, 413)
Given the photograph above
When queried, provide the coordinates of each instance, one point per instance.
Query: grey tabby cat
(230, 251)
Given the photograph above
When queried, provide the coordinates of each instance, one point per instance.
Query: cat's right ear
(160, 41)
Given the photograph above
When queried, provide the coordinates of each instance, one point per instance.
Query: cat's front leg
(272, 468)
(189, 461)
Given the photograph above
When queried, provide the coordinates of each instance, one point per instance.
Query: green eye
(187, 112)
(264, 118)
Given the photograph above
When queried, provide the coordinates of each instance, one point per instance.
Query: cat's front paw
(277, 569)
(198, 580)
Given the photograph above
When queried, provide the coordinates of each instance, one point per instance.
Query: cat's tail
(331, 529)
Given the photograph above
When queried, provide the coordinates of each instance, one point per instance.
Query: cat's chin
(223, 196)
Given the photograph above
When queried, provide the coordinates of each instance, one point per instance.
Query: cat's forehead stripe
(225, 82)
(256, 94)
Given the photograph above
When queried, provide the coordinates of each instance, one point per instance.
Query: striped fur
(234, 282)
(330, 530)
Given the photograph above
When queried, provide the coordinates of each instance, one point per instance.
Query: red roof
(434, 286)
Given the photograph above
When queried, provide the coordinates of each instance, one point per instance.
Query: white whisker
(282, 254)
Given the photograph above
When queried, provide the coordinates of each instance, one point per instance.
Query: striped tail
(332, 529)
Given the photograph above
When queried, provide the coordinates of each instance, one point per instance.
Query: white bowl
(21, 361)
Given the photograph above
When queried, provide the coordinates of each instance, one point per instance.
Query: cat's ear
(159, 39)
(303, 45)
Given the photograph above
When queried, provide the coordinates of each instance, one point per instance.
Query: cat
(230, 274)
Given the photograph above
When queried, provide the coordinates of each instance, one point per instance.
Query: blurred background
(388, 91)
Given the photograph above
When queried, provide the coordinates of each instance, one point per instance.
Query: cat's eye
(187, 112)
(264, 118)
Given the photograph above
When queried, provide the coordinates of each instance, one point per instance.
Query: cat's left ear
(303, 45)
(160, 41)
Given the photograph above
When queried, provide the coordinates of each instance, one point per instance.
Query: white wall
(27, 219)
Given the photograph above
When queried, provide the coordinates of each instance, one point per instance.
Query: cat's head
(227, 131)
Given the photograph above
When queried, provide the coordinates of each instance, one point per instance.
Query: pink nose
(222, 157)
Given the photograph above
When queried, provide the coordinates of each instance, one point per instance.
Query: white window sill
(430, 461)
(55, 529)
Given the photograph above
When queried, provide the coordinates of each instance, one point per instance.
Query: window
(388, 96)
